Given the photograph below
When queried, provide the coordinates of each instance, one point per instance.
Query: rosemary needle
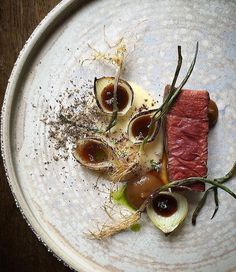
(199, 207)
(216, 202)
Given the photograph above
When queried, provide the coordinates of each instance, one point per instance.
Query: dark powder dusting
(75, 116)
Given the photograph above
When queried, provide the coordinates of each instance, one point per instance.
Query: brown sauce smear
(93, 152)
(140, 127)
(165, 205)
(107, 97)
(212, 113)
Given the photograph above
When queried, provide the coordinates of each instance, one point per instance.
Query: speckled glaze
(57, 198)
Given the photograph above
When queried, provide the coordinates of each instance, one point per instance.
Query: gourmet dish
(156, 150)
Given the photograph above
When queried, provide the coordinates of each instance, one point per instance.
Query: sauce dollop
(136, 192)
(212, 113)
(165, 205)
(107, 97)
(140, 127)
(93, 152)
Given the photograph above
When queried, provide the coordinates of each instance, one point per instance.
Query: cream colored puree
(154, 149)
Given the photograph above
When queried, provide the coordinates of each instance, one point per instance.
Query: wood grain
(20, 250)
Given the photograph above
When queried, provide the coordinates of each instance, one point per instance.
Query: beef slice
(186, 131)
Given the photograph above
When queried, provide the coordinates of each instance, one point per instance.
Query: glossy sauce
(212, 113)
(165, 205)
(107, 97)
(137, 191)
(93, 152)
(140, 127)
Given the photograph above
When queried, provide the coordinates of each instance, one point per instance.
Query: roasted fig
(94, 153)
(104, 93)
(139, 126)
(167, 211)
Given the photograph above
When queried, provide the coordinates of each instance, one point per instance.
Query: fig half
(139, 125)
(94, 153)
(104, 93)
(167, 211)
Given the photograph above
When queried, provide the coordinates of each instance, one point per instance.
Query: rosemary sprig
(201, 203)
(217, 183)
(173, 93)
(172, 88)
(113, 120)
(179, 89)
(109, 230)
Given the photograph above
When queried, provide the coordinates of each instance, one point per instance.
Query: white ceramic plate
(59, 202)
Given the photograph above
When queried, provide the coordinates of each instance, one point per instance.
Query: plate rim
(61, 11)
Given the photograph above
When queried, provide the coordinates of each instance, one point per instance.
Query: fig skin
(102, 165)
(110, 80)
(139, 115)
(168, 223)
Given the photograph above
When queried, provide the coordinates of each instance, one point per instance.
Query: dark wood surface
(20, 250)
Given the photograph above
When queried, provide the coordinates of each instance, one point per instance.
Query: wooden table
(20, 250)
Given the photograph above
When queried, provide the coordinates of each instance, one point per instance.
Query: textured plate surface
(58, 197)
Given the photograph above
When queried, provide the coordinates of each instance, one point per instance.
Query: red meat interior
(186, 136)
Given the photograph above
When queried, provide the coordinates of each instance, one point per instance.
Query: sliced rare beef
(186, 128)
